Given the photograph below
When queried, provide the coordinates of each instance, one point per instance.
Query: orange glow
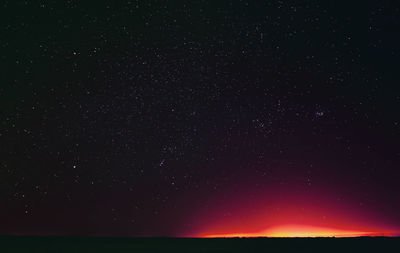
(305, 231)
(297, 214)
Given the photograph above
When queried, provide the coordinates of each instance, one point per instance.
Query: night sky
(199, 118)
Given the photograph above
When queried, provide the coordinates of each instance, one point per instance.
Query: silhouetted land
(99, 244)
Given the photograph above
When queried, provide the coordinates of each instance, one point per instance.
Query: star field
(126, 118)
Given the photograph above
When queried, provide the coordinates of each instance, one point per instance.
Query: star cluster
(126, 118)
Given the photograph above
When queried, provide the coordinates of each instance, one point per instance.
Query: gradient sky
(169, 118)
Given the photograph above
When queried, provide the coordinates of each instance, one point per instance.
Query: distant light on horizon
(289, 214)
(295, 230)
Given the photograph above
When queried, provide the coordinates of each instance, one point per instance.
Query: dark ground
(95, 244)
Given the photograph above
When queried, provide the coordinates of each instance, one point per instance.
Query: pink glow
(289, 215)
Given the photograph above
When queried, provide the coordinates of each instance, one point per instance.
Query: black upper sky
(125, 117)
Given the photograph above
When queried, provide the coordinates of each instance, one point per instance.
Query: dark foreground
(97, 244)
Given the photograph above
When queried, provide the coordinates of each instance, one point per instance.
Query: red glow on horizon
(291, 215)
(295, 230)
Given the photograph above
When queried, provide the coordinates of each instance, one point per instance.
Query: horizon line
(200, 237)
